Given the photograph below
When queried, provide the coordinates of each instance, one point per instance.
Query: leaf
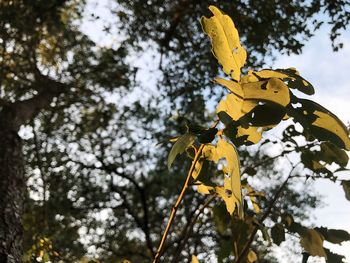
(252, 108)
(194, 259)
(346, 188)
(226, 46)
(207, 135)
(232, 86)
(251, 193)
(251, 257)
(273, 90)
(264, 232)
(287, 219)
(230, 192)
(290, 76)
(221, 218)
(232, 182)
(335, 236)
(333, 258)
(197, 169)
(230, 111)
(312, 242)
(278, 234)
(224, 249)
(331, 153)
(322, 124)
(180, 146)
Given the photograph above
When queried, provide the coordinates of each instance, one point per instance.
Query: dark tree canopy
(96, 187)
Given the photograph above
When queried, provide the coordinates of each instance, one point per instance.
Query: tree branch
(18, 113)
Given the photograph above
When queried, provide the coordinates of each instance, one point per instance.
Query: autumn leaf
(194, 259)
(290, 76)
(322, 124)
(230, 192)
(226, 45)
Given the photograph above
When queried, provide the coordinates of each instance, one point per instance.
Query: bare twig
(262, 219)
(179, 200)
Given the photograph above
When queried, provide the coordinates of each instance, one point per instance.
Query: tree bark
(12, 192)
(12, 179)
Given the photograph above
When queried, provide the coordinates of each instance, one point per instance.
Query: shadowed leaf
(277, 234)
(180, 146)
(335, 236)
(346, 187)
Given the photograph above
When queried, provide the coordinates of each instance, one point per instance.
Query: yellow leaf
(197, 169)
(252, 195)
(251, 133)
(290, 75)
(231, 192)
(225, 42)
(204, 189)
(312, 242)
(272, 90)
(322, 123)
(194, 259)
(326, 121)
(232, 86)
(251, 257)
(234, 107)
(246, 98)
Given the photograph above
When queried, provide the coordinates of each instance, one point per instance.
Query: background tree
(89, 154)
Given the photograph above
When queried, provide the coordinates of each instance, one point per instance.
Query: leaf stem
(176, 206)
(179, 200)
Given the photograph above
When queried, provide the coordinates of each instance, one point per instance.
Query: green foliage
(181, 144)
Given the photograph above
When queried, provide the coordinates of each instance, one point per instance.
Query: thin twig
(179, 200)
(262, 219)
(176, 206)
(189, 228)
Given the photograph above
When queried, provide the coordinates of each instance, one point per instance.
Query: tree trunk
(12, 192)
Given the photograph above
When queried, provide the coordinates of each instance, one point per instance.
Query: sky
(328, 71)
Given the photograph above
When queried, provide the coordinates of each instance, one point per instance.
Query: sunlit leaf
(271, 90)
(251, 257)
(232, 181)
(322, 124)
(194, 259)
(252, 194)
(180, 146)
(232, 86)
(290, 76)
(252, 108)
(197, 169)
(230, 192)
(312, 242)
(225, 42)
